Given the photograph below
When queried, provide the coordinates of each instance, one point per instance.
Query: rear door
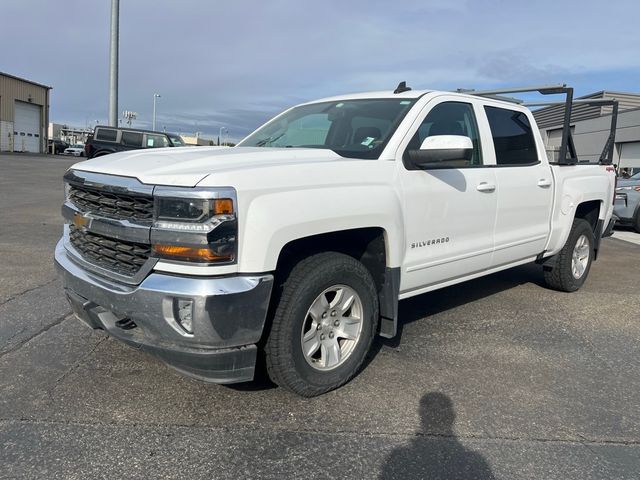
(524, 186)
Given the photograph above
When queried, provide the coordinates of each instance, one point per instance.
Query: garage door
(630, 155)
(26, 127)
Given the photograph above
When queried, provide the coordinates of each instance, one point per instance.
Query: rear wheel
(573, 262)
(323, 325)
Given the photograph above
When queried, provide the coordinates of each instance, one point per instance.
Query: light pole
(220, 134)
(155, 97)
(113, 63)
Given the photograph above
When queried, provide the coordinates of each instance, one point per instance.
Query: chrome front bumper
(228, 315)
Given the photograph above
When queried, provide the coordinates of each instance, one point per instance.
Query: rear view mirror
(441, 151)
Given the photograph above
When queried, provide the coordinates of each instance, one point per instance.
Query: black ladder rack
(566, 146)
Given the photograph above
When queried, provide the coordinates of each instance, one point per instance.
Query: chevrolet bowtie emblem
(80, 220)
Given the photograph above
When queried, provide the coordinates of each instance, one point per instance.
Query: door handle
(544, 183)
(486, 187)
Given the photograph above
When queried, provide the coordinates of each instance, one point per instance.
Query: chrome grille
(125, 258)
(113, 205)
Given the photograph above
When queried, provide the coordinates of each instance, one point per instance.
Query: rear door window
(131, 139)
(106, 134)
(512, 137)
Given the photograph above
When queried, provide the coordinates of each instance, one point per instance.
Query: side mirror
(441, 151)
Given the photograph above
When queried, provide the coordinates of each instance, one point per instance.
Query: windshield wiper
(264, 141)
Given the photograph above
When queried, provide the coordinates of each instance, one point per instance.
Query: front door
(449, 211)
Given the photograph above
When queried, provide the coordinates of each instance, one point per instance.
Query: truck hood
(187, 166)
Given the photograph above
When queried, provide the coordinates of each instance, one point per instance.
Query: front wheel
(573, 262)
(323, 325)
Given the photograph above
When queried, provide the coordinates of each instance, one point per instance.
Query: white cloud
(238, 62)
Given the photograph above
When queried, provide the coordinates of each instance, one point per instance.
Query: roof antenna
(402, 87)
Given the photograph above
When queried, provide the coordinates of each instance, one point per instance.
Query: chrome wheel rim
(332, 327)
(580, 257)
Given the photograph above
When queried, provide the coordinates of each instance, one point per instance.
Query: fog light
(185, 315)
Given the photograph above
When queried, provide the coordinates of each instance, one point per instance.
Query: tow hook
(126, 324)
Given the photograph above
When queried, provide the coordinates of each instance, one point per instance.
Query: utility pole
(113, 63)
(155, 97)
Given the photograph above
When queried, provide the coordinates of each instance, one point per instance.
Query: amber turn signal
(193, 254)
(222, 206)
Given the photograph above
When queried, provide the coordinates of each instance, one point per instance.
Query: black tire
(560, 276)
(286, 363)
(636, 225)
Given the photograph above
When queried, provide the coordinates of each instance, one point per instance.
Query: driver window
(450, 118)
(156, 141)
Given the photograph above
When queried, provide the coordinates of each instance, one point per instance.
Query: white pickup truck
(295, 247)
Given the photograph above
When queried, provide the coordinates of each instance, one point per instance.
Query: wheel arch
(102, 152)
(590, 211)
(369, 245)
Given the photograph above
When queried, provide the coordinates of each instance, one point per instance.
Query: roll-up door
(26, 127)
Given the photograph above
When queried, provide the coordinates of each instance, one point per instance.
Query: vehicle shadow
(425, 305)
(435, 452)
(432, 303)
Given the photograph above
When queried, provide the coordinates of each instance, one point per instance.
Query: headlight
(195, 225)
(190, 214)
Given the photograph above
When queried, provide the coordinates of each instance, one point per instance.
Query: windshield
(176, 140)
(351, 128)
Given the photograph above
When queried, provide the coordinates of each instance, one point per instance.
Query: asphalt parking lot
(494, 378)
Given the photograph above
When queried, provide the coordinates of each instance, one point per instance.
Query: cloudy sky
(236, 63)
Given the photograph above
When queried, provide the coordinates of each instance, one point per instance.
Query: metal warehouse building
(590, 128)
(24, 114)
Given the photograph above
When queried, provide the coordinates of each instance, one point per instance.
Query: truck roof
(409, 94)
(369, 95)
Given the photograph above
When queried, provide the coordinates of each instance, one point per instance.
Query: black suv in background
(60, 146)
(105, 140)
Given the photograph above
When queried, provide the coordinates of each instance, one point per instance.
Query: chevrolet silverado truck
(293, 249)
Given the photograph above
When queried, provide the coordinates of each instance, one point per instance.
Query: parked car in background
(627, 204)
(76, 150)
(106, 140)
(60, 146)
(176, 140)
